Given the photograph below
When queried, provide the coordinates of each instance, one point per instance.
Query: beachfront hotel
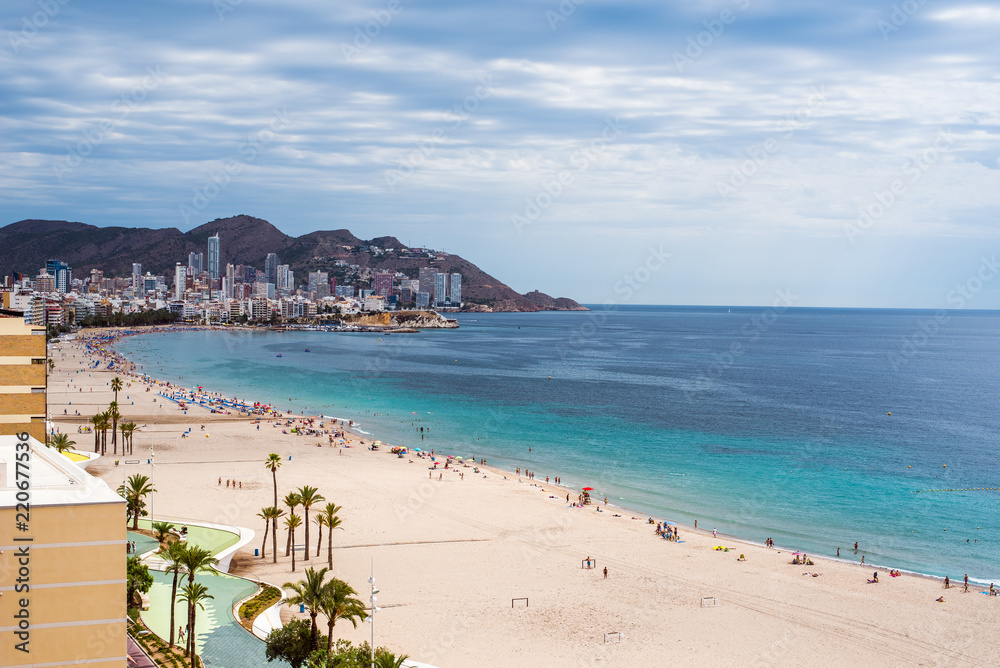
(62, 565)
(22, 376)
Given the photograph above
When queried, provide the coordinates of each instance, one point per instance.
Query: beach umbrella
(417, 450)
(588, 489)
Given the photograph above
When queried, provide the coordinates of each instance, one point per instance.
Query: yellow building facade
(62, 561)
(22, 376)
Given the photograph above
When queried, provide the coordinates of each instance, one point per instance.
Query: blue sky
(705, 152)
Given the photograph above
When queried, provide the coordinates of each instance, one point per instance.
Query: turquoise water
(760, 423)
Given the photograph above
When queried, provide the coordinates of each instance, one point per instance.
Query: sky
(729, 152)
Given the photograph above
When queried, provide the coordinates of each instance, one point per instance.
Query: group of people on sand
(231, 482)
(667, 531)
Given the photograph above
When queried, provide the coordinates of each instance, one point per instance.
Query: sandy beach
(452, 548)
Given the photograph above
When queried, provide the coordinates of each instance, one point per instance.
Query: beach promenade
(452, 552)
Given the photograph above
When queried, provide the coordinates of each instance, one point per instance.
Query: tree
(138, 578)
(134, 490)
(307, 497)
(386, 659)
(127, 429)
(339, 601)
(114, 415)
(293, 522)
(269, 515)
(196, 559)
(116, 386)
(194, 594)
(320, 520)
(291, 500)
(174, 556)
(292, 642)
(309, 592)
(272, 463)
(61, 442)
(96, 421)
(161, 530)
(101, 422)
(332, 521)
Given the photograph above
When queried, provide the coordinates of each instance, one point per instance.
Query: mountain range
(26, 245)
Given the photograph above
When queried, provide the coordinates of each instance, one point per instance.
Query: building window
(38, 390)
(38, 360)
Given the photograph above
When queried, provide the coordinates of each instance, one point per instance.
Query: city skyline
(846, 154)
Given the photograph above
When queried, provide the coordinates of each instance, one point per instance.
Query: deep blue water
(758, 422)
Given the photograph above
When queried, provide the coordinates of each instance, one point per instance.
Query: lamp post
(374, 598)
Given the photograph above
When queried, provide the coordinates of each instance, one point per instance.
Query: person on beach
(947, 582)
(715, 533)
(606, 573)
(863, 563)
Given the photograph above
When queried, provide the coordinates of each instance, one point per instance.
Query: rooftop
(53, 480)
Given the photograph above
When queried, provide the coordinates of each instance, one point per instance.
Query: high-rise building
(423, 299)
(61, 273)
(22, 376)
(344, 291)
(426, 278)
(180, 281)
(196, 262)
(440, 285)
(271, 268)
(136, 276)
(214, 252)
(45, 282)
(382, 283)
(281, 276)
(76, 603)
(455, 291)
(319, 283)
(230, 280)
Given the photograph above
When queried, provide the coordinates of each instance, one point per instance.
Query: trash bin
(302, 607)
(256, 552)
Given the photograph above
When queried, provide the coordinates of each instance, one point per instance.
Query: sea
(817, 428)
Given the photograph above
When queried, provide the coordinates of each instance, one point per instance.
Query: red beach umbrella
(588, 489)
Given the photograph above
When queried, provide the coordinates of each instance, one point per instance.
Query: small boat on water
(278, 355)
(307, 350)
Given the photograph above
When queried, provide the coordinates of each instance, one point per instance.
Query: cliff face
(401, 319)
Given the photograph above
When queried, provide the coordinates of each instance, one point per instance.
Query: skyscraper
(455, 294)
(137, 277)
(197, 262)
(271, 268)
(319, 283)
(439, 288)
(61, 273)
(230, 280)
(214, 249)
(426, 277)
(382, 283)
(180, 281)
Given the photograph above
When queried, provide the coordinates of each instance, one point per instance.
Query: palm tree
(196, 559)
(386, 659)
(268, 514)
(127, 429)
(194, 593)
(291, 500)
(161, 530)
(309, 592)
(272, 463)
(116, 385)
(174, 556)
(114, 415)
(293, 522)
(96, 421)
(332, 521)
(307, 497)
(136, 488)
(61, 442)
(102, 424)
(339, 601)
(320, 521)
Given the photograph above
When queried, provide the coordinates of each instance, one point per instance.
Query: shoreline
(634, 514)
(494, 539)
